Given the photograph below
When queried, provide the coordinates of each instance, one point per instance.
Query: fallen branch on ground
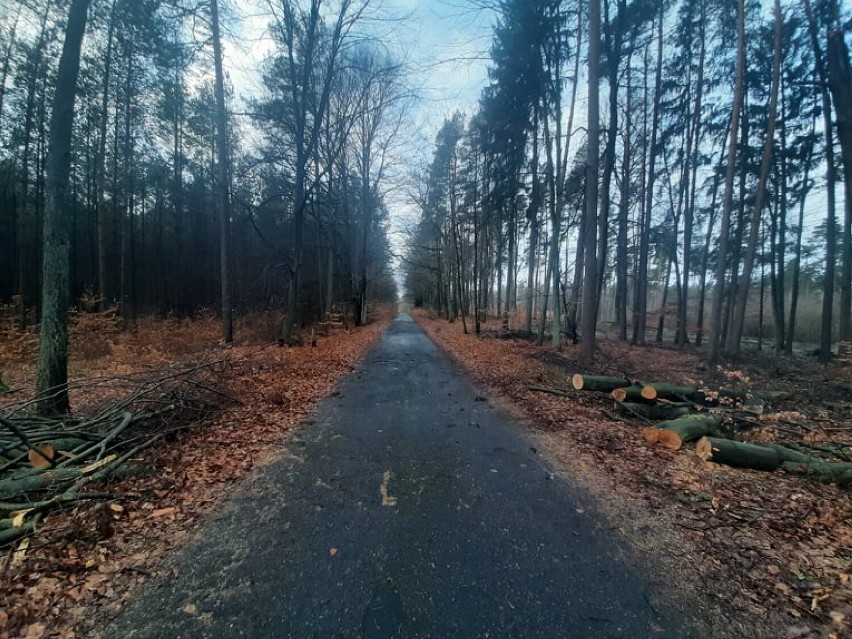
(47, 464)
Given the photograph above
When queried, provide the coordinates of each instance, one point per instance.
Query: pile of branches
(47, 464)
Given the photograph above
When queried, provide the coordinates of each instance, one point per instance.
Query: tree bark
(100, 164)
(738, 454)
(840, 82)
(599, 383)
(738, 321)
(52, 377)
(674, 433)
(663, 390)
(590, 279)
(222, 178)
(830, 180)
(640, 304)
(23, 198)
(621, 254)
(728, 198)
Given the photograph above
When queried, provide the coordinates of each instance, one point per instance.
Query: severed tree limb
(551, 391)
(26, 441)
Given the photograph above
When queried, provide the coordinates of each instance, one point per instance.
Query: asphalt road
(410, 507)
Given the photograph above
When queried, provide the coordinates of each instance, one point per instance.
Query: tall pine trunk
(840, 82)
(223, 197)
(640, 305)
(52, 376)
(738, 321)
(100, 164)
(590, 279)
(728, 197)
(825, 338)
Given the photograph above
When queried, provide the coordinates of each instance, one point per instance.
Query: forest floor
(85, 563)
(764, 546)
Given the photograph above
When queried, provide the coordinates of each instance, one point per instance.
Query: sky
(444, 44)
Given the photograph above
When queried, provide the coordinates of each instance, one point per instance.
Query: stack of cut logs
(689, 413)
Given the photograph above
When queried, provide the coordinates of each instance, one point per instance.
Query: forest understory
(86, 561)
(757, 552)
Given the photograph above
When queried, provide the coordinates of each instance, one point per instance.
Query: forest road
(410, 507)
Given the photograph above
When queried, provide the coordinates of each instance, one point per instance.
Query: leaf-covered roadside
(761, 549)
(85, 563)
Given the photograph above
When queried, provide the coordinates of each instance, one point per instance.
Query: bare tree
(308, 68)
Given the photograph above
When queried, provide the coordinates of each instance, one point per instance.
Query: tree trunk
(738, 321)
(100, 164)
(840, 82)
(599, 383)
(674, 433)
(728, 198)
(778, 240)
(828, 472)
(590, 280)
(52, 382)
(621, 254)
(830, 180)
(532, 215)
(663, 390)
(222, 178)
(613, 33)
(23, 198)
(689, 212)
(797, 259)
(640, 304)
(738, 454)
(125, 215)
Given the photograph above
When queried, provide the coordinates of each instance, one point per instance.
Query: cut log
(599, 383)
(628, 394)
(656, 411)
(791, 455)
(829, 472)
(675, 433)
(662, 390)
(738, 454)
(46, 479)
